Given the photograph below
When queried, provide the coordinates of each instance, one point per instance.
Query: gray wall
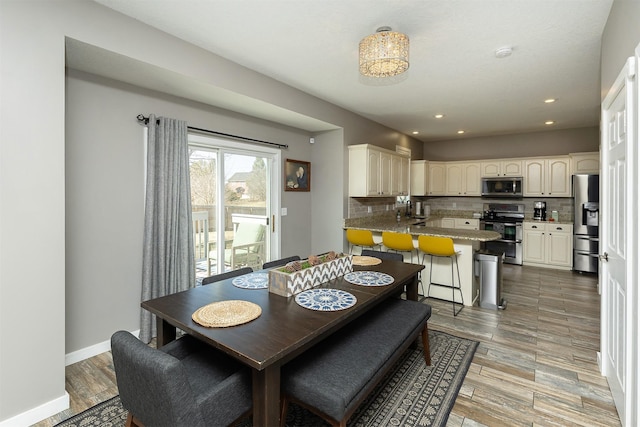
(105, 191)
(550, 143)
(620, 37)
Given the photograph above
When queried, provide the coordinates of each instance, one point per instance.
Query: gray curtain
(168, 263)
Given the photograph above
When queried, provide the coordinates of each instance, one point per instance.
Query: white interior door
(619, 204)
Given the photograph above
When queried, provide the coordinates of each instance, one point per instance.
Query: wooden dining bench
(334, 377)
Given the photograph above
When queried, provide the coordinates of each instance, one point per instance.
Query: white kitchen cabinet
(400, 170)
(419, 178)
(466, 224)
(585, 162)
(501, 167)
(471, 179)
(546, 244)
(447, 223)
(372, 172)
(437, 178)
(462, 179)
(550, 177)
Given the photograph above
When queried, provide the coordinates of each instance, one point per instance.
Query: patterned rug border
(371, 413)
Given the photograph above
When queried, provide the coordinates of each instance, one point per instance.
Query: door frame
(275, 183)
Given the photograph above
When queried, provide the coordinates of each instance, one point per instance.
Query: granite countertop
(380, 223)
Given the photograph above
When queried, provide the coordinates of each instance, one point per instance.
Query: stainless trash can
(487, 266)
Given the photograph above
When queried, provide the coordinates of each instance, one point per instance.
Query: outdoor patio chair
(247, 248)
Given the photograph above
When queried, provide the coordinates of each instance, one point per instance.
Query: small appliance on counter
(540, 211)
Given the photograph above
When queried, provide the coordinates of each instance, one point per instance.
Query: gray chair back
(184, 383)
(279, 262)
(394, 256)
(226, 275)
(153, 385)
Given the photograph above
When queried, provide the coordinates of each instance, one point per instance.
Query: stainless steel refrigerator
(586, 206)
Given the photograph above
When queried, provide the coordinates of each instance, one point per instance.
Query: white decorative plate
(325, 299)
(252, 281)
(368, 278)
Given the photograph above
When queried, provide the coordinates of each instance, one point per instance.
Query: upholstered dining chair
(185, 383)
(393, 256)
(279, 262)
(226, 275)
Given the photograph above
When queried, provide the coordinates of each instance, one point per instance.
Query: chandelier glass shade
(384, 54)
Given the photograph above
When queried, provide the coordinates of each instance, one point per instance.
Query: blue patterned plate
(252, 281)
(368, 278)
(325, 299)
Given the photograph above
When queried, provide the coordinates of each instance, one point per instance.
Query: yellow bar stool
(399, 242)
(362, 238)
(442, 247)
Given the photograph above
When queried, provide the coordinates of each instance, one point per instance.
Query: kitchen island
(466, 242)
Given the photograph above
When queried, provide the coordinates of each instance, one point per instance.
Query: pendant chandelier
(384, 54)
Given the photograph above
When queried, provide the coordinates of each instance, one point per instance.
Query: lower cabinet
(459, 223)
(546, 244)
(466, 224)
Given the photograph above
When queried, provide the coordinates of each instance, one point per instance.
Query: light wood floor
(536, 363)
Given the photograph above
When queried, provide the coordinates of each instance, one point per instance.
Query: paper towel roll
(427, 210)
(418, 208)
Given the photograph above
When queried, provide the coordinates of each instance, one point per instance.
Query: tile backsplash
(359, 207)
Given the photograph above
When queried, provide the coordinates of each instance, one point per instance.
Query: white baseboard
(87, 352)
(39, 413)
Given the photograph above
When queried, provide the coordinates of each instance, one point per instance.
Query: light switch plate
(283, 211)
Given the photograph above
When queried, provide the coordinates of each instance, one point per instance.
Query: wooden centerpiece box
(287, 283)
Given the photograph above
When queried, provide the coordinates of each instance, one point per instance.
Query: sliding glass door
(234, 199)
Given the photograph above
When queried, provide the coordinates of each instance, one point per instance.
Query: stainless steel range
(506, 219)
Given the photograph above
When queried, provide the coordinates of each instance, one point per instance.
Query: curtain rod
(145, 121)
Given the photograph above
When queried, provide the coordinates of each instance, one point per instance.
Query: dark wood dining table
(283, 330)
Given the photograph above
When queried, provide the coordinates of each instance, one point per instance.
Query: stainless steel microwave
(502, 187)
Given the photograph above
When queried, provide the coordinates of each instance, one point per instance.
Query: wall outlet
(283, 211)
(455, 204)
(369, 209)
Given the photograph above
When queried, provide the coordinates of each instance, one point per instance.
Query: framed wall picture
(297, 175)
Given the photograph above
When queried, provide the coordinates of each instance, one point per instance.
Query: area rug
(413, 394)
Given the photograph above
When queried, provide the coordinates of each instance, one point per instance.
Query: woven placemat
(365, 260)
(223, 314)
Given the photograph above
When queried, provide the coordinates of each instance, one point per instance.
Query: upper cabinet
(585, 162)
(549, 177)
(503, 167)
(376, 172)
(462, 179)
(419, 178)
(437, 178)
(400, 170)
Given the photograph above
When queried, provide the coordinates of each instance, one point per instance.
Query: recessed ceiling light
(549, 122)
(460, 131)
(415, 132)
(550, 100)
(439, 116)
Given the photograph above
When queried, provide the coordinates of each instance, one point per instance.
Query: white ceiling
(312, 45)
